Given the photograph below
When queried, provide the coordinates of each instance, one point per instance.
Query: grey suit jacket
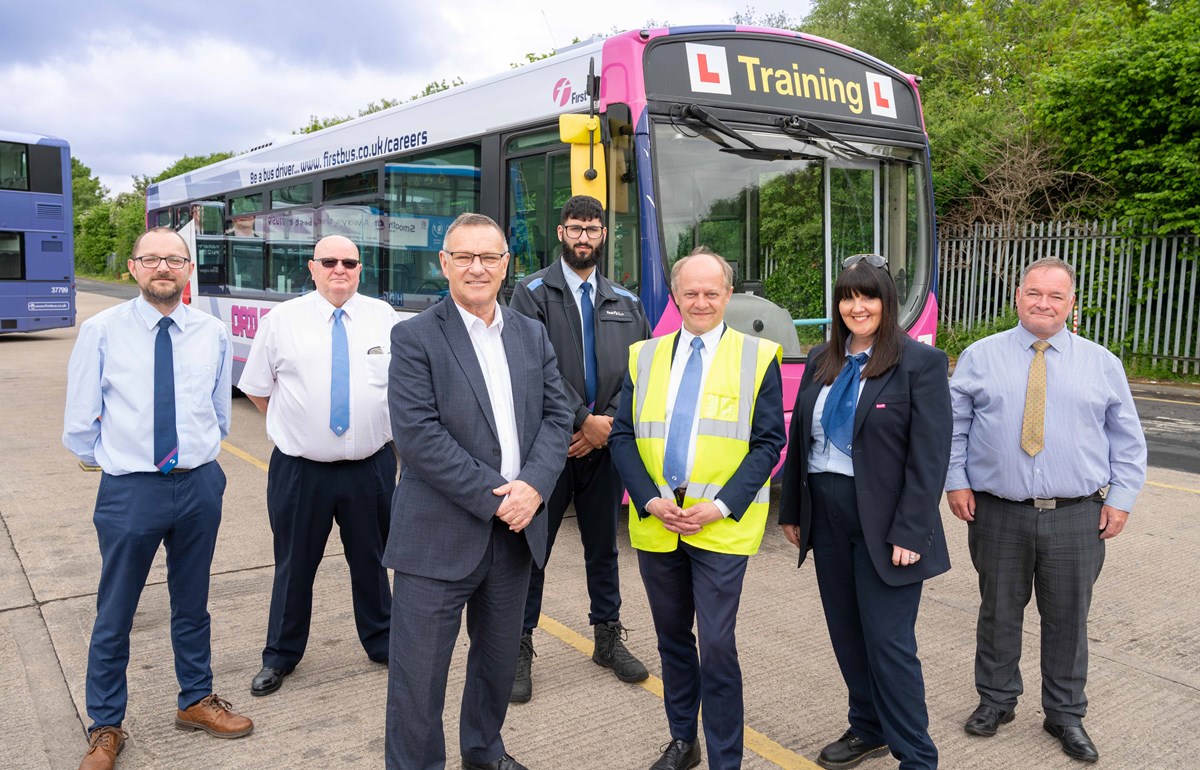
(445, 431)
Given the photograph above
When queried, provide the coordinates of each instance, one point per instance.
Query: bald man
(318, 369)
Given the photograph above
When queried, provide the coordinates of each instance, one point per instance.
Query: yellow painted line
(755, 741)
(1165, 400)
(244, 455)
(1172, 486)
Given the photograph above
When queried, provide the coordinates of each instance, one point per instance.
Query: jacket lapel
(514, 350)
(460, 345)
(866, 401)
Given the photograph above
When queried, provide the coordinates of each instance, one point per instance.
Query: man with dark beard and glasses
(591, 323)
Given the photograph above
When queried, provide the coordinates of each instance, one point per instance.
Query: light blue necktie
(589, 343)
(339, 381)
(166, 439)
(837, 419)
(675, 456)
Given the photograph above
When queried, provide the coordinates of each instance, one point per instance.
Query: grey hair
(1051, 262)
(470, 219)
(702, 251)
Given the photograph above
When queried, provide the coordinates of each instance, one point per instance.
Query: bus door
(538, 179)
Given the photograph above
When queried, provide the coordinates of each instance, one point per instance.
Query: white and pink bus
(783, 152)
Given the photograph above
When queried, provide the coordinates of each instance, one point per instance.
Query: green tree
(184, 165)
(86, 190)
(94, 238)
(1128, 112)
(886, 29)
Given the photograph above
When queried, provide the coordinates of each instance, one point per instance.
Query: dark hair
(585, 208)
(862, 280)
(471, 219)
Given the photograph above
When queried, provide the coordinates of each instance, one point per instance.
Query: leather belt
(679, 493)
(1051, 503)
(181, 470)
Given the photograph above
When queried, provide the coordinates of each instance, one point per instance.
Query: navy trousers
(872, 626)
(693, 584)
(426, 616)
(592, 482)
(135, 513)
(304, 498)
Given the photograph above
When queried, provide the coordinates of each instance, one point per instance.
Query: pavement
(1144, 684)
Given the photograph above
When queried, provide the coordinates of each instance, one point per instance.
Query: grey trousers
(1017, 549)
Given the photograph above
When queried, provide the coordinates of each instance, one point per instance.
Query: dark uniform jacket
(620, 322)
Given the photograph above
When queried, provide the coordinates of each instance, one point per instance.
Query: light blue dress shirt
(823, 456)
(109, 416)
(1093, 437)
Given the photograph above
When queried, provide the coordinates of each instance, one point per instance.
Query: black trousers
(872, 626)
(1017, 548)
(304, 498)
(592, 483)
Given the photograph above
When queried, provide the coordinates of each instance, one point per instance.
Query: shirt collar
(573, 279)
(472, 320)
(710, 338)
(151, 315)
(326, 308)
(1059, 341)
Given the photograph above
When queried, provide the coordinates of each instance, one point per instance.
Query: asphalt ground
(1144, 684)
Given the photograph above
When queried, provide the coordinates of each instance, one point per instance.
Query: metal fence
(1137, 292)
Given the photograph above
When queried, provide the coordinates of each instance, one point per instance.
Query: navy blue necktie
(339, 380)
(166, 439)
(589, 343)
(675, 455)
(837, 419)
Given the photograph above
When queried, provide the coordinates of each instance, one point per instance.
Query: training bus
(37, 251)
(783, 152)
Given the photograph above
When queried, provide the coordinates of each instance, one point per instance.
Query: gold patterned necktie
(1033, 426)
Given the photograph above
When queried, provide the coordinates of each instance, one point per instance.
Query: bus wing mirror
(588, 175)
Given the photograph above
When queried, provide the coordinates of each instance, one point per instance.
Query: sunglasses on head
(330, 263)
(874, 260)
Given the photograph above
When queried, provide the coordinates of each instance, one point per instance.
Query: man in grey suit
(482, 426)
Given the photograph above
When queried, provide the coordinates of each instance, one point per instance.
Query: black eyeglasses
(575, 231)
(152, 263)
(330, 263)
(874, 260)
(467, 258)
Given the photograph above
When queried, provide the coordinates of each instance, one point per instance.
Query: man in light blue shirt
(1043, 422)
(148, 399)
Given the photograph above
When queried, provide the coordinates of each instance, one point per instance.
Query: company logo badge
(708, 67)
(562, 92)
(880, 96)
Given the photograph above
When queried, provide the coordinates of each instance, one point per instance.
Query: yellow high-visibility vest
(722, 440)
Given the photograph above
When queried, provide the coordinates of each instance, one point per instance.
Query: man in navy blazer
(482, 427)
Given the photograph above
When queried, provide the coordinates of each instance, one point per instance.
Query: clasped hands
(683, 521)
(593, 434)
(519, 505)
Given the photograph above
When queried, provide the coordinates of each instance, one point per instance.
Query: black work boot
(611, 652)
(523, 683)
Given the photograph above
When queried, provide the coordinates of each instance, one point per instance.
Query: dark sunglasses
(331, 263)
(874, 260)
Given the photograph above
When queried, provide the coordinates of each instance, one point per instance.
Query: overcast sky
(135, 85)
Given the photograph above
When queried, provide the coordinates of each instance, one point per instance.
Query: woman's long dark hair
(860, 279)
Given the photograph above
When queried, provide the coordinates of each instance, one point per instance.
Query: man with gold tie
(1044, 423)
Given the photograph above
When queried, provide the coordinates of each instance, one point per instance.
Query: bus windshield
(786, 210)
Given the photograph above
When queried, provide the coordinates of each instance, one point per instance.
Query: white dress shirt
(290, 362)
(489, 351)
(111, 376)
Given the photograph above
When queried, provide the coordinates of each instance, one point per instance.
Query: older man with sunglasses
(318, 369)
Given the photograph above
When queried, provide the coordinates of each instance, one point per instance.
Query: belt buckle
(1045, 504)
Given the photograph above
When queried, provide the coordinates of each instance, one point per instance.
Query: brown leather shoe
(104, 744)
(215, 717)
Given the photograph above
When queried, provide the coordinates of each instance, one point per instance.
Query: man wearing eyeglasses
(591, 322)
(153, 362)
(480, 419)
(318, 370)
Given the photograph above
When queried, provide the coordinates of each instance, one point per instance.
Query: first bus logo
(708, 67)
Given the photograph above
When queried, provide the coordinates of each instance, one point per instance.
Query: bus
(37, 243)
(783, 152)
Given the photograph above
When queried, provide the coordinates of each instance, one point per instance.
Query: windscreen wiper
(756, 151)
(797, 127)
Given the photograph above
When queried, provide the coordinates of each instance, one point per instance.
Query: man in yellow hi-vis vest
(698, 431)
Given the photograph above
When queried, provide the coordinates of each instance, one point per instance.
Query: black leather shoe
(1075, 741)
(986, 720)
(678, 755)
(268, 680)
(848, 751)
(503, 763)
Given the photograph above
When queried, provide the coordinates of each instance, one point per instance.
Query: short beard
(162, 297)
(580, 263)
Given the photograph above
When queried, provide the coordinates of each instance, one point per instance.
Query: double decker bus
(37, 245)
(782, 152)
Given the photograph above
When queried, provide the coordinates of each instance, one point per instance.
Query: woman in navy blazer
(867, 456)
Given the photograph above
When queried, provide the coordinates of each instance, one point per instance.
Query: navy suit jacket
(445, 431)
(901, 451)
